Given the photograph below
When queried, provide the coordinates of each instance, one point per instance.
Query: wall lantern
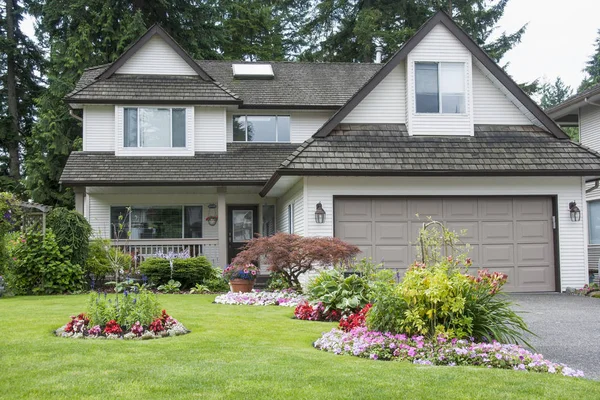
(320, 214)
(212, 217)
(574, 212)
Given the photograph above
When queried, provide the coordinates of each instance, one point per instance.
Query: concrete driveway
(568, 328)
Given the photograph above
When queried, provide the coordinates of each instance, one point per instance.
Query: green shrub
(188, 271)
(10, 218)
(217, 284)
(125, 309)
(71, 229)
(39, 265)
(277, 282)
(339, 292)
(98, 263)
(170, 287)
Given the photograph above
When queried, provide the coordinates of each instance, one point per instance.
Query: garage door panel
(391, 232)
(425, 208)
(496, 208)
(533, 231)
(532, 208)
(366, 251)
(510, 271)
(355, 232)
(534, 254)
(497, 231)
(497, 255)
(460, 208)
(539, 278)
(389, 209)
(353, 210)
(470, 228)
(395, 257)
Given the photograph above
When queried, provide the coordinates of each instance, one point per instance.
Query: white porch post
(222, 224)
(79, 198)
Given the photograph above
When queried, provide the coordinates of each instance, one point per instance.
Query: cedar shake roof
(242, 164)
(388, 150)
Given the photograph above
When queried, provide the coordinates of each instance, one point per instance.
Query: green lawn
(237, 352)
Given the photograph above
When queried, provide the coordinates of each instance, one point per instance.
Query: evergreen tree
(21, 65)
(349, 30)
(83, 33)
(554, 93)
(592, 68)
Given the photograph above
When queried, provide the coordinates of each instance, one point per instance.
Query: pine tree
(554, 93)
(21, 64)
(592, 68)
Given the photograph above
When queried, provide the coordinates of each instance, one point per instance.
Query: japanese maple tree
(293, 255)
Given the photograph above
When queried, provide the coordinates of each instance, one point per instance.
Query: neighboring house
(583, 111)
(438, 131)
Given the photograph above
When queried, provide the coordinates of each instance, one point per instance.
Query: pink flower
(253, 272)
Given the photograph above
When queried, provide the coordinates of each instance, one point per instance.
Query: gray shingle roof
(296, 83)
(377, 149)
(149, 88)
(327, 85)
(243, 163)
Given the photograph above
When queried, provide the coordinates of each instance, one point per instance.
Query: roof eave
(149, 101)
(350, 172)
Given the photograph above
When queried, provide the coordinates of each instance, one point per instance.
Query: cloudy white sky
(559, 39)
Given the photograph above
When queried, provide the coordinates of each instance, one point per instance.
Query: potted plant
(241, 277)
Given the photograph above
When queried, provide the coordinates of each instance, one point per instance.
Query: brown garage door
(508, 234)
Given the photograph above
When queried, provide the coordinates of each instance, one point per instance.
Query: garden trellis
(34, 216)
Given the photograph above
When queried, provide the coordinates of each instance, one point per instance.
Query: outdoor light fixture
(574, 212)
(212, 215)
(320, 214)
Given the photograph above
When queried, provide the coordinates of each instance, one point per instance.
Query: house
(583, 111)
(437, 131)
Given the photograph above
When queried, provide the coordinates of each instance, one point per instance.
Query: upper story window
(154, 127)
(594, 221)
(440, 87)
(261, 128)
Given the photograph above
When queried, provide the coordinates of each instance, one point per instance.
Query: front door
(242, 225)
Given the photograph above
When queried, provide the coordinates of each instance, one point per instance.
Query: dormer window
(440, 87)
(154, 127)
(261, 128)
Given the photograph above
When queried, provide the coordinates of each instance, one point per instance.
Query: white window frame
(439, 74)
(139, 136)
(182, 206)
(264, 115)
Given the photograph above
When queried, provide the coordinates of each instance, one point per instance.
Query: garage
(513, 235)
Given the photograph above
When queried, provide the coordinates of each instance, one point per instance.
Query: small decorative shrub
(293, 255)
(217, 284)
(338, 292)
(10, 218)
(361, 342)
(355, 320)
(170, 287)
(39, 265)
(98, 263)
(287, 298)
(306, 311)
(277, 282)
(199, 289)
(187, 271)
(130, 308)
(246, 272)
(71, 229)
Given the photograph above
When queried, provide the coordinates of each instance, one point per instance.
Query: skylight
(253, 71)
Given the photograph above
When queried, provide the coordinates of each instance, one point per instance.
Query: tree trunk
(11, 84)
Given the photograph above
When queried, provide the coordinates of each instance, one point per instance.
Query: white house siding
(120, 150)
(490, 104)
(303, 124)
(589, 126)
(385, 104)
(293, 196)
(99, 128)
(440, 46)
(156, 57)
(209, 127)
(572, 244)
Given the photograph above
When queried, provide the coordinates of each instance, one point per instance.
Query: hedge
(188, 271)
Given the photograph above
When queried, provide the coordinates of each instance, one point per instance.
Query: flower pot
(241, 285)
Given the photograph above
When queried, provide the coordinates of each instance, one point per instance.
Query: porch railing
(142, 249)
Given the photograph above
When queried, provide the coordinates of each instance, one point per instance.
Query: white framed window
(594, 221)
(291, 218)
(156, 222)
(261, 128)
(440, 88)
(154, 127)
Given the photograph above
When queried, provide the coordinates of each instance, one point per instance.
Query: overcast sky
(558, 41)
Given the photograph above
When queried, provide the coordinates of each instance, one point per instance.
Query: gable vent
(253, 71)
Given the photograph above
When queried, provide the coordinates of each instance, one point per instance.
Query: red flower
(156, 325)
(355, 320)
(112, 328)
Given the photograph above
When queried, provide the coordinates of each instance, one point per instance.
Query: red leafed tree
(293, 255)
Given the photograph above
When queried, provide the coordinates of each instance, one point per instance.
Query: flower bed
(308, 312)
(361, 342)
(286, 298)
(79, 328)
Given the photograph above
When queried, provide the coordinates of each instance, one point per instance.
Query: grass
(236, 352)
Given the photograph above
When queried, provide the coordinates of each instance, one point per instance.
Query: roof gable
(157, 39)
(480, 55)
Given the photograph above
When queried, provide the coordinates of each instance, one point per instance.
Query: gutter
(72, 114)
(588, 101)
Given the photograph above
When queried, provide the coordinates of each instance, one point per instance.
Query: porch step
(261, 282)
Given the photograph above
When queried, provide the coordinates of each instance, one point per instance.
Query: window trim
(139, 136)
(234, 116)
(439, 74)
(291, 215)
(182, 206)
(589, 220)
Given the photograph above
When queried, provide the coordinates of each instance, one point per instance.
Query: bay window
(157, 222)
(440, 87)
(261, 128)
(153, 127)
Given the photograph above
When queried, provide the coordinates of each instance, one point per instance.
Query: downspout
(596, 185)
(72, 114)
